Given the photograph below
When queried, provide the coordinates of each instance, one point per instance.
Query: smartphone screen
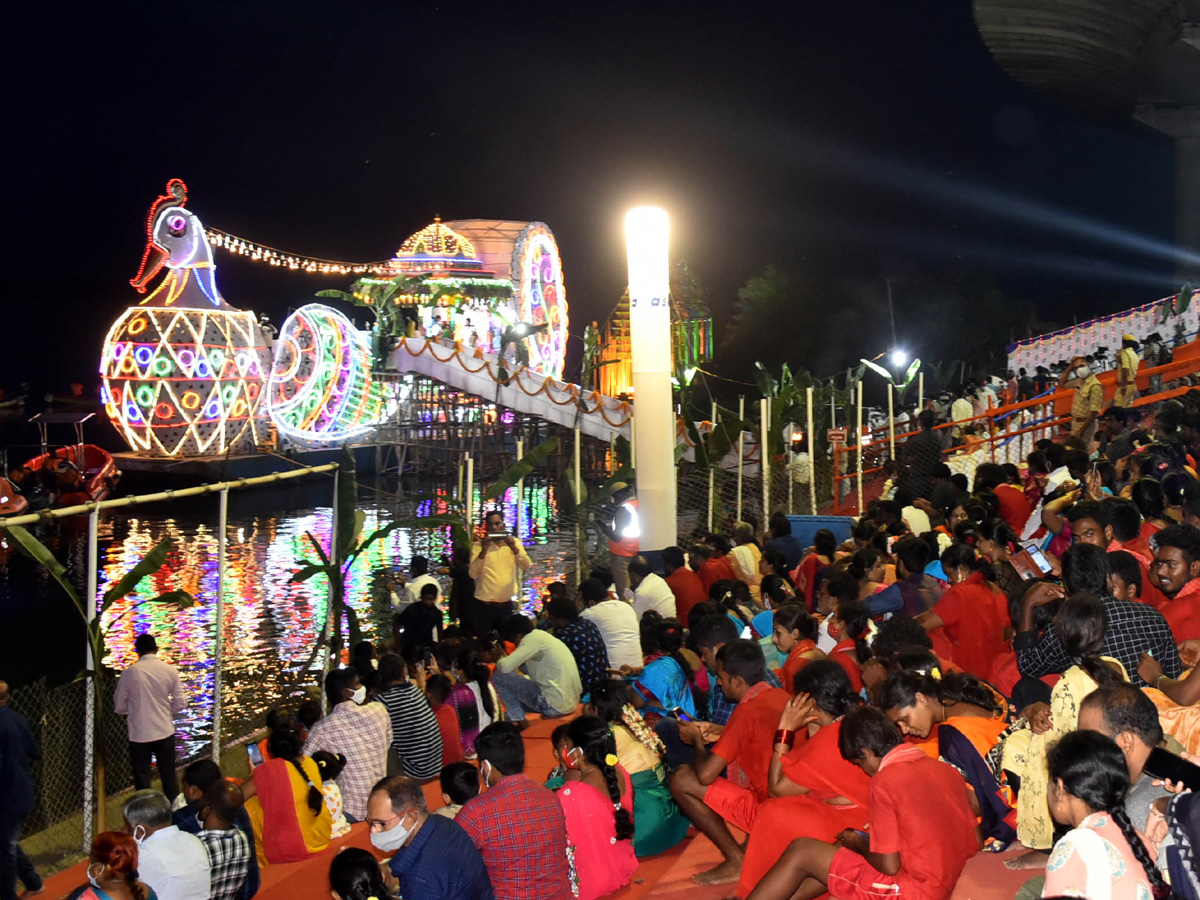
(1168, 766)
(1039, 559)
(256, 757)
(680, 715)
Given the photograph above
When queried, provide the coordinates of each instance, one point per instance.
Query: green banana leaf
(31, 547)
(147, 565)
(522, 468)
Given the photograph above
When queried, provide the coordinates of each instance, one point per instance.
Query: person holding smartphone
(496, 561)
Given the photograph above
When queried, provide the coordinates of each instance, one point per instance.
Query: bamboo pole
(891, 420)
(712, 470)
(812, 457)
(198, 490)
(741, 452)
(858, 436)
(764, 411)
(93, 779)
(219, 637)
(578, 486)
(520, 485)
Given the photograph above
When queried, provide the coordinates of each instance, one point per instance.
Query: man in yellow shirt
(1127, 369)
(494, 565)
(1088, 401)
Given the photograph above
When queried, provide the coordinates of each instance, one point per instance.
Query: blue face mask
(94, 878)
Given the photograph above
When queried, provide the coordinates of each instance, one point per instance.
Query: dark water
(270, 624)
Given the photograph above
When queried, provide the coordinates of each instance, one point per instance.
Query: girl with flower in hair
(658, 825)
(599, 810)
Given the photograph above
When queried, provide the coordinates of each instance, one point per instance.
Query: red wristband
(783, 736)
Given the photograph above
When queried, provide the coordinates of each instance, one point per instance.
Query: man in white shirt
(960, 411)
(616, 621)
(649, 590)
(172, 862)
(150, 695)
(419, 572)
(550, 686)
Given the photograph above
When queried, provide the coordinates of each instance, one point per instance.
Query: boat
(11, 501)
(83, 472)
(77, 473)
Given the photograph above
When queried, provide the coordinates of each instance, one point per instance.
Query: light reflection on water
(270, 624)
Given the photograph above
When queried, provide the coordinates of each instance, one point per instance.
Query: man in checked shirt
(228, 849)
(1133, 629)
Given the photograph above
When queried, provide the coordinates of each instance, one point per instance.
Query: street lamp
(647, 245)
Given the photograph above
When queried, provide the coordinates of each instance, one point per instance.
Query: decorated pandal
(185, 374)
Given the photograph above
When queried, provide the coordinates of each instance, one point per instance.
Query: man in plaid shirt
(1133, 628)
(360, 731)
(229, 851)
(517, 824)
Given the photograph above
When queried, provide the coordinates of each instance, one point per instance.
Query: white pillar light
(646, 238)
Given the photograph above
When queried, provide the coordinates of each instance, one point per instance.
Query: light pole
(647, 246)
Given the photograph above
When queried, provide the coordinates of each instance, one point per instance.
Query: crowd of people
(971, 667)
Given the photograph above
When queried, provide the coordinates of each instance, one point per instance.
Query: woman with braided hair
(967, 623)
(599, 810)
(112, 871)
(658, 825)
(286, 803)
(1102, 857)
(354, 874)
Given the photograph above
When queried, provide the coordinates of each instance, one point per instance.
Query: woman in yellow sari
(1080, 626)
(286, 805)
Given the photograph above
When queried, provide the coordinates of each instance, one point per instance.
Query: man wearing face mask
(1088, 400)
(359, 731)
(172, 862)
(517, 824)
(433, 857)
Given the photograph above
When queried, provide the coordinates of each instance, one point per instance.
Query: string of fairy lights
(271, 256)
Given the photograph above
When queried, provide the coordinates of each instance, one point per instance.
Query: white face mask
(484, 775)
(138, 838)
(94, 879)
(1083, 372)
(392, 840)
(359, 696)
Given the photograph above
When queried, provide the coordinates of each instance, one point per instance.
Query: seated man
(360, 731)
(433, 857)
(650, 592)
(229, 850)
(416, 731)
(921, 832)
(1177, 569)
(517, 824)
(171, 861)
(582, 638)
(709, 800)
(552, 687)
(197, 777)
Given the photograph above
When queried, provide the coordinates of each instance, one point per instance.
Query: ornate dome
(437, 240)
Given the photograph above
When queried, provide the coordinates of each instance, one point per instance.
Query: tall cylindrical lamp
(646, 238)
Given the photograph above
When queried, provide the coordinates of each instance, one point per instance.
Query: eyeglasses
(385, 824)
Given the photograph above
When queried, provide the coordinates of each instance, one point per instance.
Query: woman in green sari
(658, 825)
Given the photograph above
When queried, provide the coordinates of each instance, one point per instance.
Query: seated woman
(598, 808)
(814, 791)
(354, 874)
(1080, 625)
(804, 576)
(744, 557)
(1178, 702)
(666, 681)
(1102, 857)
(795, 637)
(968, 623)
(849, 626)
(112, 871)
(773, 562)
(658, 825)
(734, 598)
(956, 718)
(473, 697)
(286, 804)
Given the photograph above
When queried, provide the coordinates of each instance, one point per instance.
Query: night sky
(848, 137)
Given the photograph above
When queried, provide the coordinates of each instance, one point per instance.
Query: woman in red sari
(795, 636)
(966, 624)
(813, 791)
(849, 626)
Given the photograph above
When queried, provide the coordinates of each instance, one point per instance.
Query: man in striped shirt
(415, 733)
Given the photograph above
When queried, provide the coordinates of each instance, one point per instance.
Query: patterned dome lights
(437, 248)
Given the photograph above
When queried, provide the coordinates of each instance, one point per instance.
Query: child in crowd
(330, 766)
(921, 831)
(354, 874)
(460, 782)
(437, 689)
